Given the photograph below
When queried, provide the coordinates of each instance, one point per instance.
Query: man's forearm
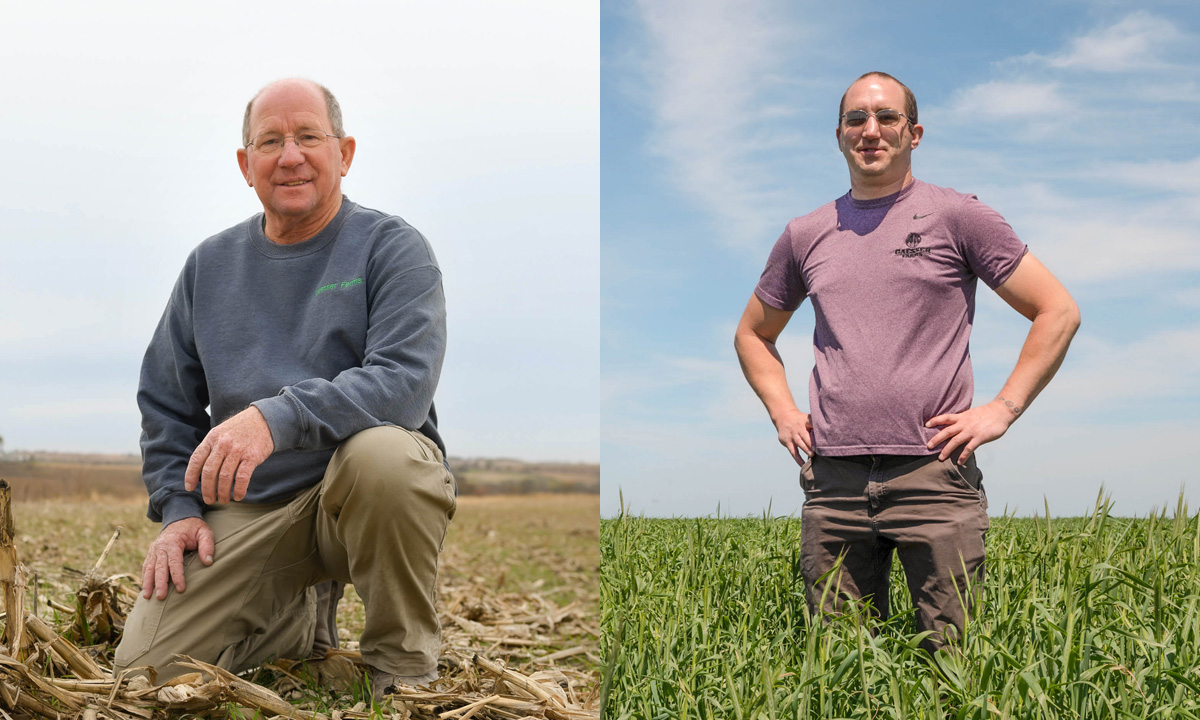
(1041, 355)
(754, 342)
(764, 370)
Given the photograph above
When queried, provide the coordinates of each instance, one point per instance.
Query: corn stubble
(1095, 617)
(502, 659)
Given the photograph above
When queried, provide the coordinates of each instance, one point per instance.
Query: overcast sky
(1073, 119)
(477, 122)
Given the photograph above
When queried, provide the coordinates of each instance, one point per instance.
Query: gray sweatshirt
(342, 332)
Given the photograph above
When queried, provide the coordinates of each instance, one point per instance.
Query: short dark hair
(332, 109)
(910, 100)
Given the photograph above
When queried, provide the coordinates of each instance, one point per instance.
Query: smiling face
(300, 188)
(879, 158)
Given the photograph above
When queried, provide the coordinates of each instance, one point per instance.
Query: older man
(891, 268)
(289, 437)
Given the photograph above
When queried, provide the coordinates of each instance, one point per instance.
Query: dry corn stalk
(79, 662)
(98, 615)
(12, 576)
(249, 694)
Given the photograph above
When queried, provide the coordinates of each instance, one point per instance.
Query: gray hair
(332, 108)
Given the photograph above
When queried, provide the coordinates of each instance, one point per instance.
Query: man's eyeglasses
(271, 143)
(885, 118)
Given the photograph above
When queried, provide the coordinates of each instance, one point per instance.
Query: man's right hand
(164, 561)
(795, 434)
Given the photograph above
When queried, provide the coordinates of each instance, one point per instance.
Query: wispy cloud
(710, 387)
(1165, 175)
(1112, 70)
(1137, 42)
(1189, 297)
(1000, 100)
(711, 66)
(1066, 148)
(1160, 365)
(1110, 241)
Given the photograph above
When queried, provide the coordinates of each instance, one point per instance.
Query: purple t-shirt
(892, 283)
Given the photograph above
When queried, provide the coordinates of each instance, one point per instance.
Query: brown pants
(863, 508)
(377, 520)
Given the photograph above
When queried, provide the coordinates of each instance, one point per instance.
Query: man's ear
(244, 164)
(918, 131)
(348, 146)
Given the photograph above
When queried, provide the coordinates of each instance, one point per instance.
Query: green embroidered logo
(343, 284)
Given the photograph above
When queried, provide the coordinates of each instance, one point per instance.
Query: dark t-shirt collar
(884, 201)
(317, 242)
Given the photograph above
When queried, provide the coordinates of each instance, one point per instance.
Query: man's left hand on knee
(164, 561)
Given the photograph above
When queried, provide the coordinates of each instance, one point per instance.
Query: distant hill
(487, 476)
(41, 475)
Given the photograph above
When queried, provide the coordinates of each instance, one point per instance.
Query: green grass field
(1085, 618)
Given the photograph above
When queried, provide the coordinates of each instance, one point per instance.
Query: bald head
(910, 100)
(332, 110)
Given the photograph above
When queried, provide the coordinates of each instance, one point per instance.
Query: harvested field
(519, 599)
(54, 476)
(53, 480)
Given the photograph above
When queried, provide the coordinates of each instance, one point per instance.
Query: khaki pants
(863, 509)
(377, 520)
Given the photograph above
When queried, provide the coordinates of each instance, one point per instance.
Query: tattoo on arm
(1010, 405)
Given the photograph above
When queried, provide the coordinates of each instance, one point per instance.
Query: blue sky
(477, 122)
(1075, 120)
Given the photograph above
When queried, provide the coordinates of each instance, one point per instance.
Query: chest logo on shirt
(339, 285)
(912, 251)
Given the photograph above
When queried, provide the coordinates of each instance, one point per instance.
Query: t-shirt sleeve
(780, 284)
(988, 244)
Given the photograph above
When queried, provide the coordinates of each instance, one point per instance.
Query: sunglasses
(885, 118)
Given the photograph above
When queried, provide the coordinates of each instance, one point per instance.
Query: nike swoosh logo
(918, 217)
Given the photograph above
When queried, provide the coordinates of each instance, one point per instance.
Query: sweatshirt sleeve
(405, 346)
(173, 399)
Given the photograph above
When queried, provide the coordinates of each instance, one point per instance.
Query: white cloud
(1085, 238)
(1189, 297)
(1003, 101)
(709, 66)
(1111, 245)
(1043, 88)
(1102, 372)
(1134, 43)
(1065, 466)
(1175, 177)
(718, 396)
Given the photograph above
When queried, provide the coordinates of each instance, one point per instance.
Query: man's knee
(392, 465)
(385, 446)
